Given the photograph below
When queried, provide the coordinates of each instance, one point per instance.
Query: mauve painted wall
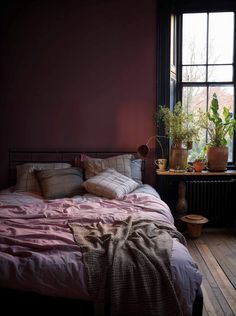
(77, 75)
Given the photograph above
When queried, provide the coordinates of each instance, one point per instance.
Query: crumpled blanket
(128, 267)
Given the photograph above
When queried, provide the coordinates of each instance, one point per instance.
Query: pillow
(148, 189)
(26, 179)
(121, 163)
(136, 170)
(60, 183)
(110, 184)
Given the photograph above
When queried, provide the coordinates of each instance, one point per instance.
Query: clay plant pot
(217, 158)
(198, 166)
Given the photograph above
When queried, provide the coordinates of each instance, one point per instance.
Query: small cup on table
(161, 164)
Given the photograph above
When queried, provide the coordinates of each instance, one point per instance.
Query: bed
(81, 230)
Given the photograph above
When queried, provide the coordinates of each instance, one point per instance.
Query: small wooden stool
(194, 224)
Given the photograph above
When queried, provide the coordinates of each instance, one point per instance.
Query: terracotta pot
(178, 158)
(198, 166)
(217, 158)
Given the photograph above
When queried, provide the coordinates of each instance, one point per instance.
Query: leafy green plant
(179, 125)
(200, 157)
(218, 128)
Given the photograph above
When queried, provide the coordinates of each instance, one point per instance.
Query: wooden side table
(172, 189)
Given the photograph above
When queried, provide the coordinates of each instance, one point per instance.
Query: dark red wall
(77, 75)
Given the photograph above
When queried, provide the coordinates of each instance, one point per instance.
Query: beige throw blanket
(128, 267)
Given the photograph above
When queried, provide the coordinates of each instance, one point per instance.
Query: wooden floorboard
(215, 253)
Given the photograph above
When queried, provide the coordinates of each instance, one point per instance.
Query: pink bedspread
(38, 252)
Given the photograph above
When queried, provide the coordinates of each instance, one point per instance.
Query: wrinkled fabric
(38, 251)
(128, 267)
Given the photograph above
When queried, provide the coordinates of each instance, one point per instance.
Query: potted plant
(219, 128)
(181, 128)
(199, 162)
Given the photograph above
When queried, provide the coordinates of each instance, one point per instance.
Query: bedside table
(202, 193)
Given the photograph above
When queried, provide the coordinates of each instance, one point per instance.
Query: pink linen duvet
(38, 252)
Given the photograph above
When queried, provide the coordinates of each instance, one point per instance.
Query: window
(206, 63)
(196, 56)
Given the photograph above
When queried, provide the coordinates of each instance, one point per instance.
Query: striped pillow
(110, 184)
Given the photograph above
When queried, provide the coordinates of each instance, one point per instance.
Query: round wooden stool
(194, 224)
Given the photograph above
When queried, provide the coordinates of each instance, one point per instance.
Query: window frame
(166, 93)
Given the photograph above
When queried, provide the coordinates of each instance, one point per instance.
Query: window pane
(220, 73)
(194, 38)
(194, 73)
(194, 98)
(221, 30)
(225, 95)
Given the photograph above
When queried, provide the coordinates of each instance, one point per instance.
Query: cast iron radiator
(213, 199)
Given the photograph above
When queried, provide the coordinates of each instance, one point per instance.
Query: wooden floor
(215, 254)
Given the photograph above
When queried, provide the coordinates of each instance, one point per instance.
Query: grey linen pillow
(60, 183)
(26, 178)
(110, 184)
(136, 170)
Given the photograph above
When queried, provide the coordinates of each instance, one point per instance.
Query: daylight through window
(206, 63)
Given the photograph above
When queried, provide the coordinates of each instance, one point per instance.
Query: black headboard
(17, 157)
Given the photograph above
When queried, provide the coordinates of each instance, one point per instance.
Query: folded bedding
(39, 251)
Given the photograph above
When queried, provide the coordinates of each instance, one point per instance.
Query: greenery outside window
(206, 64)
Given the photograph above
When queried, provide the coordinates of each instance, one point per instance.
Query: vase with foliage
(181, 128)
(219, 127)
